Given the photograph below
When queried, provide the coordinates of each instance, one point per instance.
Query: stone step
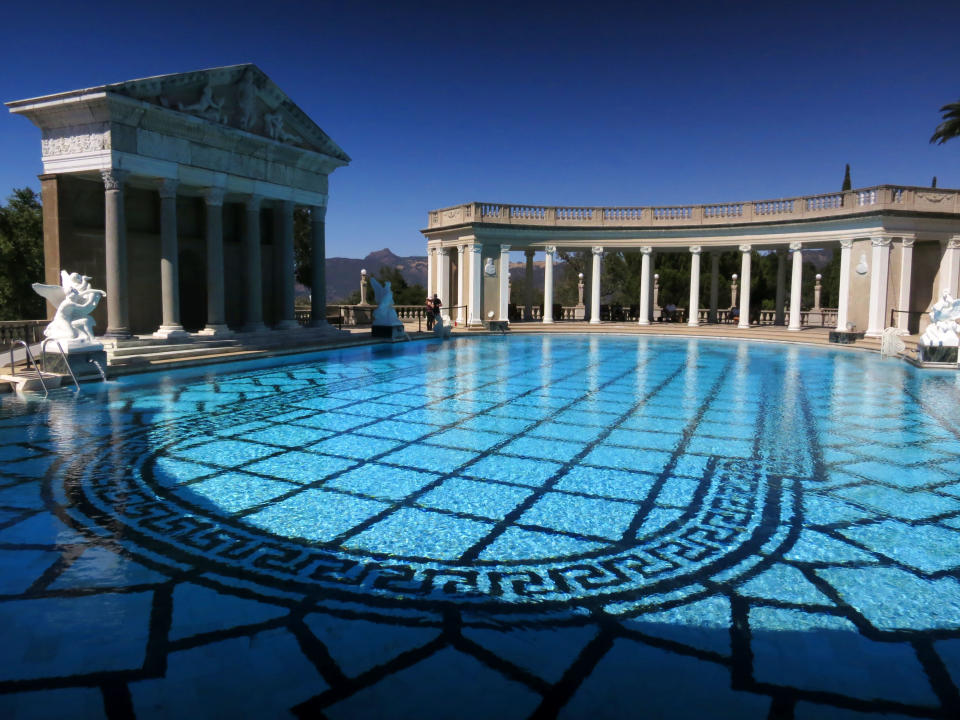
(138, 348)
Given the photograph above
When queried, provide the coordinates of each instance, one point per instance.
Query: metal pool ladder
(30, 360)
(43, 359)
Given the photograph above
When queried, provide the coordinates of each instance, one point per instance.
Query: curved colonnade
(899, 245)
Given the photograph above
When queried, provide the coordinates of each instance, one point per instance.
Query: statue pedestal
(938, 353)
(81, 359)
(393, 333)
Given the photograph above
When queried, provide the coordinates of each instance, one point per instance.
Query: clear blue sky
(595, 103)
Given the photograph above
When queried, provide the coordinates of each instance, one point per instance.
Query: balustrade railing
(899, 197)
(30, 331)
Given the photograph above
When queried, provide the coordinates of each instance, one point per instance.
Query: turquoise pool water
(520, 527)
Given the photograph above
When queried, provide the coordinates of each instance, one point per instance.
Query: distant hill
(343, 274)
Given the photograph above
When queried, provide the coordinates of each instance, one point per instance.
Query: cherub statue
(74, 300)
(384, 314)
(943, 328)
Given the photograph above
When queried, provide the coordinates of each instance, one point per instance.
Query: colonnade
(118, 297)
(470, 278)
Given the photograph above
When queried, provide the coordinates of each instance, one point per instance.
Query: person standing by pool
(436, 306)
(429, 311)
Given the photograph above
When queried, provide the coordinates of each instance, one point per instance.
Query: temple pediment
(238, 96)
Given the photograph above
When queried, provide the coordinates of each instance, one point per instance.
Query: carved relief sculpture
(74, 300)
(205, 107)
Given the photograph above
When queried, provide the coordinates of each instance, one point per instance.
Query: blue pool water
(514, 527)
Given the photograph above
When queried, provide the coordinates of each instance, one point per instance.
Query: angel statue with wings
(384, 314)
(74, 300)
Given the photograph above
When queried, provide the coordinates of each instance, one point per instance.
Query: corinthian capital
(796, 246)
(113, 178)
(745, 248)
(168, 188)
(596, 250)
(881, 241)
(214, 196)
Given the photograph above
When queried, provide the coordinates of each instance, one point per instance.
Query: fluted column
(879, 268)
(693, 313)
(781, 287)
(796, 283)
(170, 326)
(950, 268)
(318, 266)
(744, 287)
(475, 310)
(843, 292)
(595, 286)
(216, 317)
(644, 313)
(115, 255)
(528, 292)
(906, 274)
(253, 284)
(714, 286)
(504, 280)
(463, 280)
(443, 284)
(431, 270)
(550, 251)
(283, 265)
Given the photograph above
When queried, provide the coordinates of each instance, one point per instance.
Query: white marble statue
(944, 330)
(74, 300)
(440, 329)
(384, 313)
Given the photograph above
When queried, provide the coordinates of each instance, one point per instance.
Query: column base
(693, 324)
(118, 334)
(255, 327)
(793, 329)
(170, 332)
(643, 322)
(743, 326)
(221, 331)
(594, 321)
(287, 325)
(547, 321)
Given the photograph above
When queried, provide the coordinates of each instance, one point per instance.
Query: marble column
(796, 282)
(843, 292)
(318, 266)
(693, 312)
(879, 268)
(595, 286)
(463, 280)
(528, 299)
(778, 305)
(644, 313)
(283, 265)
(253, 283)
(504, 280)
(744, 287)
(216, 315)
(906, 275)
(950, 268)
(443, 284)
(475, 309)
(115, 255)
(550, 252)
(714, 286)
(170, 326)
(431, 270)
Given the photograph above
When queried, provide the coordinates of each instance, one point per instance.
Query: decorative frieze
(75, 140)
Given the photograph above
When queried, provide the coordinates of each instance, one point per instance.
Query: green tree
(21, 256)
(950, 127)
(403, 292)
(301, 247)
(847, 185)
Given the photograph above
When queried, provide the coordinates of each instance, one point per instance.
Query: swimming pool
(530, 526)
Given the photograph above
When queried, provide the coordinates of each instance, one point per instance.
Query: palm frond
(950, 127)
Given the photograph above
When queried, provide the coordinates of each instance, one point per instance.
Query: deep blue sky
(596, 103)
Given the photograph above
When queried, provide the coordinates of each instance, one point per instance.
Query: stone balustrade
(852, 202)
(30, 331)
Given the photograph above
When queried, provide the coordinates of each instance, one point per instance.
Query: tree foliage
(403, 292)
(847, 185)
(950, 127)
(301, 246)
(21, 256)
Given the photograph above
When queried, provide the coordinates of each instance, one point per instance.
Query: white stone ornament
(384, 314)
(489, 269)
(74, 300)
(944, 329)
(862, 268)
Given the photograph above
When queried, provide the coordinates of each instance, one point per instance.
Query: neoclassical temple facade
(177, 193)
(899, 246)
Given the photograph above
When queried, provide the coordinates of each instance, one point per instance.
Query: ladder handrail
(30, 359)
(43, 358)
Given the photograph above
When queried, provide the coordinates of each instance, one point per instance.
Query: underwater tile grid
(526, 527)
